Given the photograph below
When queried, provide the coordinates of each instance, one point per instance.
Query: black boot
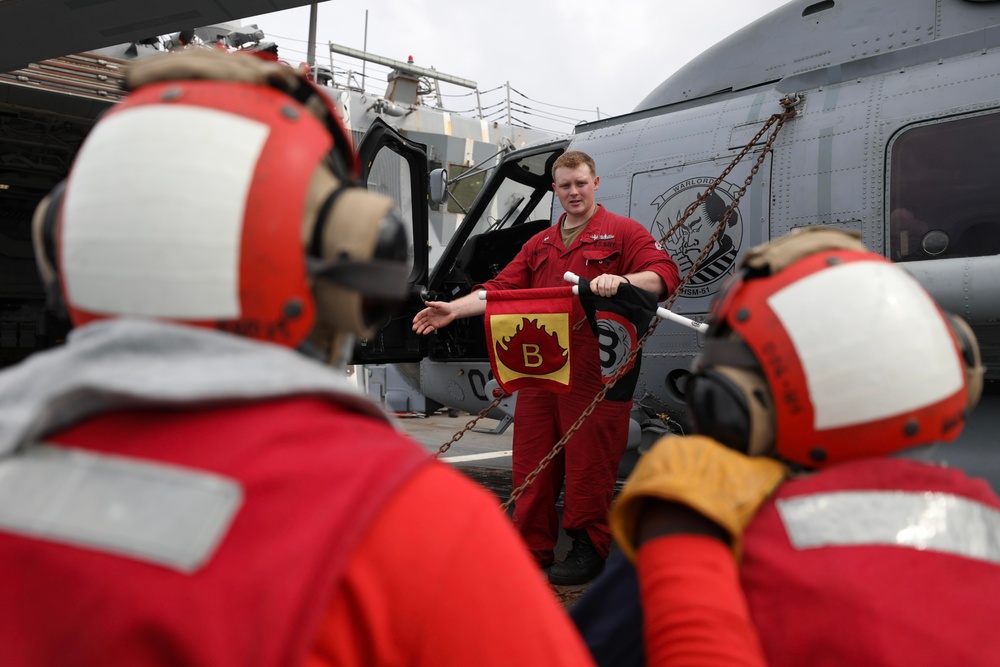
(582, 563)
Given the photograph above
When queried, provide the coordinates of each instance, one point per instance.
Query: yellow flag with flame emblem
(528, 334)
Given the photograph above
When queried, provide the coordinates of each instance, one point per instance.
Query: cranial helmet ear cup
(971, 358)
(44, 232)
(734, 407)
(357, 268)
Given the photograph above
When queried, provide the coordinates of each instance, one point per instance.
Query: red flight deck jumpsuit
(609, 244)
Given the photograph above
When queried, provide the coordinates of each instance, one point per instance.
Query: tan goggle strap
(732, 359)
(315, 246)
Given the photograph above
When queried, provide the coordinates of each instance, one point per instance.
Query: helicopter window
(390, 176)
(941, 197)
(523, 192)
(464, 189)
(537, 165)
(484, 256)
(514, 202)
(520, 207)
(818, 7)
(497, 238)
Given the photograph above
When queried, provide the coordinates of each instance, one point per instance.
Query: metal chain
(482, 413)
(778, 120)
(469, 426)
(485, 411)
(708, 192)
(558, 447)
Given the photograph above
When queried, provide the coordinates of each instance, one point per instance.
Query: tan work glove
(717, 482)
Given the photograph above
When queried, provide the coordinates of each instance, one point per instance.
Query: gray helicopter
(872, 117)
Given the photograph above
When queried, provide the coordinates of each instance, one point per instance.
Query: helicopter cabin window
(518, 206)
(513, 202)
(818, 7)
(941, 190)
(390, 176)
(495, 245)
(463, 188)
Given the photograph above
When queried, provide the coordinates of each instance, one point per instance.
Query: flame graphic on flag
(532, 350)
(530, 339)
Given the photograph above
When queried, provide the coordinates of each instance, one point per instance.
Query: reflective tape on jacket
(164, 514)
(885, 562)
(933, 521)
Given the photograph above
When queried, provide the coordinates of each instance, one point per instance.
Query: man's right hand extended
(437, 314)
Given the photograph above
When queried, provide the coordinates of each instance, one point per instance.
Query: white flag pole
(662, 313)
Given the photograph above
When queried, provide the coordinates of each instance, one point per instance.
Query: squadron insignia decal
(690, 239)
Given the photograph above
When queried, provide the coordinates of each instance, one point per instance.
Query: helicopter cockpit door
(397, 168)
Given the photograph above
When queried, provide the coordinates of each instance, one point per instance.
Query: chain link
(778, 120)
(482, 413)
(558, 447)
(469, 425)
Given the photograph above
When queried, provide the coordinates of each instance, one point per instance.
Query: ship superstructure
(48, 107)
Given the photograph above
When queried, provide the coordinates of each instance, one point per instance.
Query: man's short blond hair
(572, 160)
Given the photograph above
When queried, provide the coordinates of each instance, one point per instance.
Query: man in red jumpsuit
(609, 250)
(179, 485)
(826, 366)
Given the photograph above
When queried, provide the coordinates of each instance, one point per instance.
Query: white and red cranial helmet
(821, 351)
(199, 197)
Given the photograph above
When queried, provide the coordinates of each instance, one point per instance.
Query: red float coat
(905, 572)
(911, 578)
(350, 547)
(589, 463)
